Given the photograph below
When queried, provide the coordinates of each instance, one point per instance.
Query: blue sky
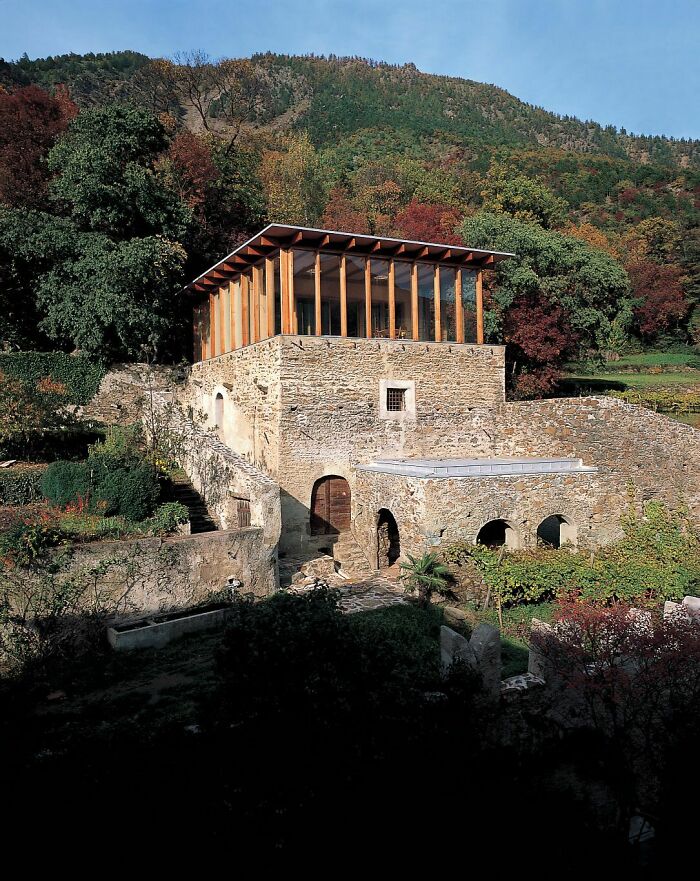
(632, 63)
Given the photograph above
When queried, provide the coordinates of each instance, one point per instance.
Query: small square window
(395, 399)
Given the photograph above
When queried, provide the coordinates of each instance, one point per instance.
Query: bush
(168, 517)
(80, 375)
(131, 492)
(20, 486)
(66, 482)
(657, 559)
(122, 447)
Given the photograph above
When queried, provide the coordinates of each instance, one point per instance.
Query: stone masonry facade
(297, 408)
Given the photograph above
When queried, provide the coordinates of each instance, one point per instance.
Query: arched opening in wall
(330, 506)
(496, 534)
(219, 413)
(556, 531)
(388, 540)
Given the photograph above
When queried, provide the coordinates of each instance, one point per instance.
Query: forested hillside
(605, 223)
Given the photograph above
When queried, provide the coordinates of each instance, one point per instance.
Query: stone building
(350, 371)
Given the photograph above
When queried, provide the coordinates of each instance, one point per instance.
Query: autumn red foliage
(193, 166)
(426, 222)
(663, 301)
(341, 214)
(540, 339)
(30, 121)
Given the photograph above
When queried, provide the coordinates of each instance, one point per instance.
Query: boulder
(455, 647)
(485, 642)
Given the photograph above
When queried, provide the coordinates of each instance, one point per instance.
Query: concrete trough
(155, 631)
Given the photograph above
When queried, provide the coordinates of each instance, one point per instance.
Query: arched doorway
(496, 534)
(555, 531)
(388, 540)
(330, 506)
(219, 413)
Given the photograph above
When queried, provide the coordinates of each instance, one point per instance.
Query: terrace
(294, 280)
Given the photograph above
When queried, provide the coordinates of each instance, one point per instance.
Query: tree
(521, 197)
(662, 302)
(552, 270)
(341, 214)
(292, 182)
(540, 339)
(30, 122)
(107, 178)
(428, 223)
(113, 298)
(633, 679)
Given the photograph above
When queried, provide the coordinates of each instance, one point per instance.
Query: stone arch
(330, 506)
(556, 530)
(498, 533)
(388, 539)
(219, 413)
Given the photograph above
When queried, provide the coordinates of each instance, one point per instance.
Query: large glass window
(379, 271)
(355, 290)
(469, 305)
(402, 295)
(272, 284)
(426, 302)
(330, 294)
(448, 314)
(304, 292)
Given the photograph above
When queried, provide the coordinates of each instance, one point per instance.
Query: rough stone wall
(221, 476)
(330, 408)
(124, 392)
(431, 512)
(163, 574)
(249, 382)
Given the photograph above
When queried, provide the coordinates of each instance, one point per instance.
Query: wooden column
(245, 307)
(480, 307)
(368, 298)
(257, 291)
(392, 301)
(436, 296)
(317, 293)
(223, 320)
(232, 312)
(459, 307)
(343, 296)
(414, 299)
(270, 295)
(284, 290)
(293, 320)
(213, 341)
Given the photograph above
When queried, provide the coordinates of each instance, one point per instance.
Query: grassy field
(622, 381)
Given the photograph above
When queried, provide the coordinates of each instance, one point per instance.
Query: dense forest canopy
(150, 169)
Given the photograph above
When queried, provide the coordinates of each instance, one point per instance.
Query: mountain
(335, 97)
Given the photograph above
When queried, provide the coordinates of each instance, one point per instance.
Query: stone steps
(187, 495)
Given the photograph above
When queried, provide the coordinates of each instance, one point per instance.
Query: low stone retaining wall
(123, 579)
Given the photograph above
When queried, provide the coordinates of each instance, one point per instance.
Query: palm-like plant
(425, 576)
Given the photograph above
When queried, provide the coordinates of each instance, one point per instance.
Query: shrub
(25, 541)
(66, 482)
(20, 486)
(167, 517)
(78, 375)
(122, 447)
(131, 492)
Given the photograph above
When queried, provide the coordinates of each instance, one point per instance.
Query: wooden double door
(330, 506)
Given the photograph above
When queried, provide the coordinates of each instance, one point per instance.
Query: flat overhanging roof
(277, 235)
(486, 467)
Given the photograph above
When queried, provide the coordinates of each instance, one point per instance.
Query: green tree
(521, 197)
(550, 267)
(425, 576)
(107, 179)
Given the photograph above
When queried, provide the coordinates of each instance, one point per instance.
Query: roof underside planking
(276, 236)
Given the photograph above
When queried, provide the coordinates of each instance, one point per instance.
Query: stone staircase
(187, 495)
(353, 562)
